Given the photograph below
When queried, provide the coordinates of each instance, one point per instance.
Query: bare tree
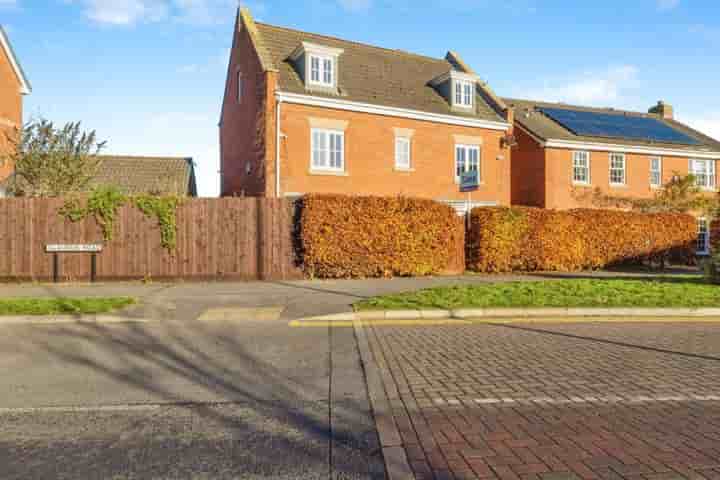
(50, 161)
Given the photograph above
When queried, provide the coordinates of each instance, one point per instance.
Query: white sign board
(469, 181)
(73, 248)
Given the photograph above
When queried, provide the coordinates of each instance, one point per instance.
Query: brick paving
(555, 401)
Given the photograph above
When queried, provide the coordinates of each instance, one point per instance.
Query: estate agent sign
(469, 181)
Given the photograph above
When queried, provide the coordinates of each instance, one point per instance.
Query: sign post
(469, 182)
(93, 249)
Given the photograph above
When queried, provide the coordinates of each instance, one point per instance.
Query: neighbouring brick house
(13, 86)
(307, 113)
(565, 153)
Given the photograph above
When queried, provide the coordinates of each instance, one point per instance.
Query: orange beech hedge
(535, 239)
(355, 237)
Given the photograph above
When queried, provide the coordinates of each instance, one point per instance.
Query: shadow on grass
(183, 364)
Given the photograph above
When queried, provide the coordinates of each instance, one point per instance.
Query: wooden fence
(228, 238)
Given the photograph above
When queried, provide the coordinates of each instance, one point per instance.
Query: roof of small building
(137, 175)
(370, 74)
(132, 174)
(531, 119)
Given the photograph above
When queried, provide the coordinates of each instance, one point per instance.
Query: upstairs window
(467, 159)
(704, 172)
(322, 71)
(328, 150)
(655, 172)
(617, 169)
(239, 87)
(402, 153)
(581, 168)
(464, 93)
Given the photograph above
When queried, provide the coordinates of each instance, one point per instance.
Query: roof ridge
(354, 42)
(585, 107)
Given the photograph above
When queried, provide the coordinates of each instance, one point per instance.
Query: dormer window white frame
(461, 89)
(321, 64)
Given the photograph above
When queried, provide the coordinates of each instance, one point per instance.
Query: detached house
(307, 113)
(564, 152)
(13, 86)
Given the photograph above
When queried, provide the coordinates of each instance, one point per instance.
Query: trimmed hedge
(534, 239)
(355, 237)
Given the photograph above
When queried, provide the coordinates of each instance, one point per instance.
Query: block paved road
(175, 400)
(555, 401)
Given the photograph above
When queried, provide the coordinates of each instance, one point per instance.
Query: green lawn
(682, 292)
(65, 306)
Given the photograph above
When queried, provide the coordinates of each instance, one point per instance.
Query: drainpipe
(278, 138)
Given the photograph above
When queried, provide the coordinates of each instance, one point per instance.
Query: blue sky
(148, 75)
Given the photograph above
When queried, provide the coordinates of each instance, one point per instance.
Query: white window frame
(403, 156)
(576, 167)
(464, 93)
(325, 70)
(707, 173)
(322, 161)
(239, 87)
(654, 172)
(466, 149)
(615, 156)
(704, 234)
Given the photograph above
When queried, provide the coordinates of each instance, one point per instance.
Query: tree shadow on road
(277, 406)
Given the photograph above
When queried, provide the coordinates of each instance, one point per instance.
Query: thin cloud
(590, 88)
(132, 12)
(665, 5)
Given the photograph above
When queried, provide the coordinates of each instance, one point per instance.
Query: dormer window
(322, 71)
(317, 65)
(458, 88)
(464, 93)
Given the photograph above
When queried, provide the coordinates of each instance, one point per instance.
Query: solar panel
(594, 124)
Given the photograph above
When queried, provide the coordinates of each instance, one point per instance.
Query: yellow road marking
(385, 323)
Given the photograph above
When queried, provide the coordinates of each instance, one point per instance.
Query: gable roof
(25, 87)
(137, 175)
(369, 74)
(544, 129)
(174, 175)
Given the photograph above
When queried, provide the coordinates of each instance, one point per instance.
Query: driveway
(555, 401)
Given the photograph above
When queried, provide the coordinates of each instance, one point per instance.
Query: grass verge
(656, 293)
(62, 306)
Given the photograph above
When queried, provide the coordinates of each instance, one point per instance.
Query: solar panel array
(595, 124)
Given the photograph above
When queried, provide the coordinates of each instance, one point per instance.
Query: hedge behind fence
(345, 237)
(533, 239)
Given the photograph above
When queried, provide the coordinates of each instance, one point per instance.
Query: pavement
(554, 401)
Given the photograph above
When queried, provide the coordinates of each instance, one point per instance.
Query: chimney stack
(664, 110)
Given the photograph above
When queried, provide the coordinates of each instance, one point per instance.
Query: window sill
(618, 185)
(582, 184)
(402, 169)
(332, 173)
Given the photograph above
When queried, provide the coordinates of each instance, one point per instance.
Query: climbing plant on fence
(103, 204)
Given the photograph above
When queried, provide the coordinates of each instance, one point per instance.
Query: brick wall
(243, 131)
(10, 107)
(562, 193)
(528, 171)
(370, 157)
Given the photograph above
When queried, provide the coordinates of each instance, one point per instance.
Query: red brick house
(13, 86)
(563, 152)
(307, 113)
